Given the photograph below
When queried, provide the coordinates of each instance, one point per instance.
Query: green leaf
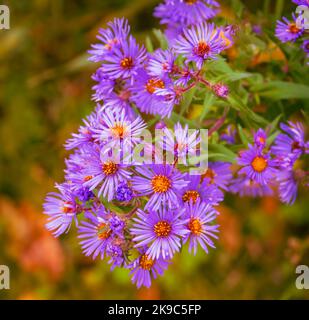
(280, 90)
(149, 45)
(208, 102)
(244, 139)
(187, 100)
(161, 38)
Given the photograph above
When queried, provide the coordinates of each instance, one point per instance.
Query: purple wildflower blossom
(96, 233)
(181, 143)
(200, 191)
(144, 268)
(119, 131)
(292, 142)
(200, 225)
(245, 186)
(124, 61)
(161, 63)
(260, 139)
(200, 43)
(145, 94)
(257, 165)
(104, 173)
(287, 31)
(229, 136)
(186, 12)
(61, 209)
(219, 174)
(161, 183)
(111, 38)
(161, 230)
(301, 2)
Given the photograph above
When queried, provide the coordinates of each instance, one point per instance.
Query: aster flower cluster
(296, 29)
(130, 204)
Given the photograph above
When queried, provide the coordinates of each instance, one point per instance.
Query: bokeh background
(45, 90)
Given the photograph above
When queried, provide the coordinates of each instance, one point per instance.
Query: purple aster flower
(115, 93)
(111, 38)
(257, 29)
(145, 94)
(119, 131)
(292, 142)
(61, 209)
(85, 133)
(229, 136)
(181, 143)
(161, 183)
(124, 192)
(184, 76)
(245, 186)
(288, 30)
(260, 139)
(125, 61)
(256, 165)
(161, 230)
(104, 173)
(200, 225)
(219, 174)
(200, 191)
(144, 268)
(301, 2)
(96, 233)
(200, 43)
(161, 63)
(288, 186)
(186, 12)
(305, 47)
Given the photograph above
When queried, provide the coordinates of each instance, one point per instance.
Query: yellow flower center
(190, 195)
(195, 226)
(259, 164)
(126, 63)
(202, 49)
(87, 178)
(104, 231)
(109, 168)
(160, 184)
(162, 229)
(145, 262)
(153, 84)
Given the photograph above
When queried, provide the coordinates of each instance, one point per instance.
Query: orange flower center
(162, 229)
(126, 63)
(145, 262)
(87, 178)
(160, 183)
(210, 174)
(118, 131)
(293, 28)
(66, 208)
(104, 231)
(259, 164)
(195, 226)
(202, 49)
(190, 195)
(109, 168)
(109, 45)
(153, 84)
(190, 2)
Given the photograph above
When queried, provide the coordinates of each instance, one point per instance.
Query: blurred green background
(45, 90)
